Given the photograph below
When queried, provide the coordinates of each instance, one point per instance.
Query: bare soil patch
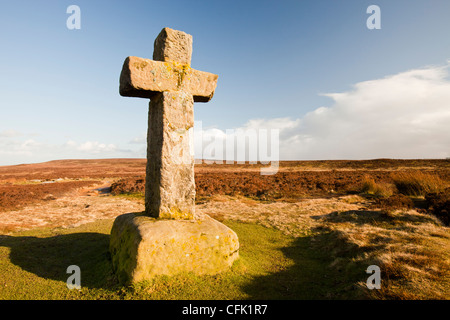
(67, 211)
(280, 215)
(317, 202)
(13, 196)
(25, 186)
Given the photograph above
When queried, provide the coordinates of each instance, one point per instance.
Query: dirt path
(86, 205)
(284, 216)
(94, 203)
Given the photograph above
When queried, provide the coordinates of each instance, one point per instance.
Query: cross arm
(144, 78)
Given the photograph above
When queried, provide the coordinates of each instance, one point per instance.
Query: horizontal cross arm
(144, 78)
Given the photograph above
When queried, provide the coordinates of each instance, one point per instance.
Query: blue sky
(279, 64)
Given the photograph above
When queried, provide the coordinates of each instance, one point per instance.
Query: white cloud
(141, 139)
(13, 151)
(94, 147)
(401, 116)
(9, 134)
(406, 115)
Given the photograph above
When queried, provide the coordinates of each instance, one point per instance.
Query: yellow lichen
(140, 65)
(179, 69)
(176, 213)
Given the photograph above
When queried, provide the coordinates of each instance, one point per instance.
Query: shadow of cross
(173, 87)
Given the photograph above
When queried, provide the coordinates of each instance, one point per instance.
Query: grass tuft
(380, 189)
(417, 183)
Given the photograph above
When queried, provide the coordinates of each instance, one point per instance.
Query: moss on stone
(143, 247)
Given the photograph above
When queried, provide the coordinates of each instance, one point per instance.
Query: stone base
(142, 247)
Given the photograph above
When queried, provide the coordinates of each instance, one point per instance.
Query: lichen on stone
(141, 65)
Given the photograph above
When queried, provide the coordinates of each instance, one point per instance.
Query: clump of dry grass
(410, 248)
(380, 189)
(416, 183)
(439, 205)
(416, 265)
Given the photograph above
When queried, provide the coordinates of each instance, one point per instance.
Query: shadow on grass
(49, 257)
(362, 217)
(308, 274)
(311, 276)
(320, 266)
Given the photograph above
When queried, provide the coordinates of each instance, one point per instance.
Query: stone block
(144, 78)
(143, 247)
(170, 183)
(173, 45)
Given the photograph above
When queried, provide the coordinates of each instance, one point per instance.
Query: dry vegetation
(418, 183)
(392, 213)
(411, 248)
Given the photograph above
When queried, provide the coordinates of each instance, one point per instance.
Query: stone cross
(173, 87)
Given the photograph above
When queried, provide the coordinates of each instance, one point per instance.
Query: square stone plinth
(142, 247)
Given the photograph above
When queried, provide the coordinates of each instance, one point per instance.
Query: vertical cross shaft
(142, 247)
(172, 87)
(170, 184)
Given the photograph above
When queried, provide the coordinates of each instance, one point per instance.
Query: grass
(413, 183)
(138, 196)
(410, 248)
(417, 183)
(380, 189)
(272, 265)
(327, 262)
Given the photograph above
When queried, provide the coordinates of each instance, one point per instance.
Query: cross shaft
(173, 87)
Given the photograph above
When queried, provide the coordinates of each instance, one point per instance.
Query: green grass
(272, 265)
(131, 196)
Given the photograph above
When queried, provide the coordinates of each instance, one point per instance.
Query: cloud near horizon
(406, 115)
(14, 151)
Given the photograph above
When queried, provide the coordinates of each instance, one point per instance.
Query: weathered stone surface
(170, 184)
(169, 238)
(144, 78)
(142, 247)
(172, 86)
(173, 45)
